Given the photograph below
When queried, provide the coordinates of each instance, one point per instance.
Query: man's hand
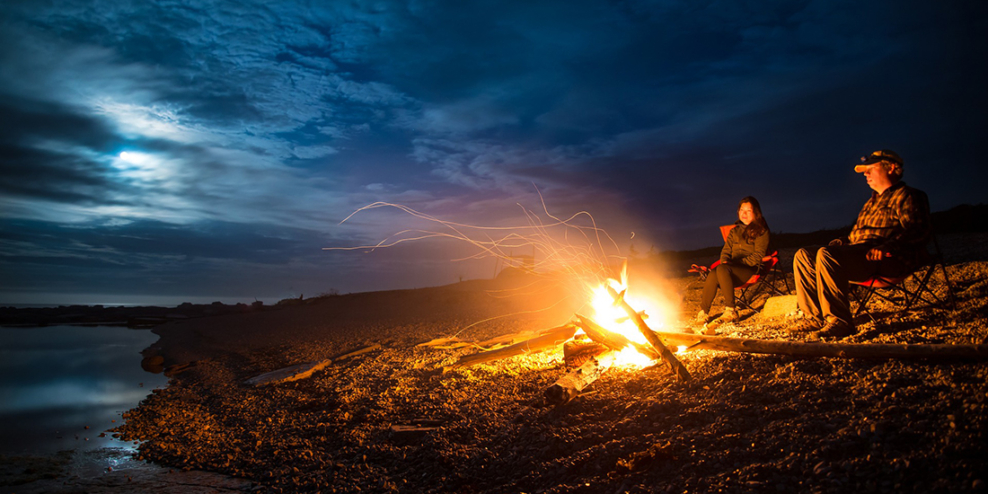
(835, 242)
(877, 254)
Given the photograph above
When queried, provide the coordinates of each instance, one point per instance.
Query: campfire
(616, 334)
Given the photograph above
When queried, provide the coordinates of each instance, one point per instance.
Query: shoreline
(105, 470)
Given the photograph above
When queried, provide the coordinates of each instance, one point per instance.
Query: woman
(740, 258)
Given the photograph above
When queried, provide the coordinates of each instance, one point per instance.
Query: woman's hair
(758, 225)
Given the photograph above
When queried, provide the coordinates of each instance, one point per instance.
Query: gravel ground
(744, 423)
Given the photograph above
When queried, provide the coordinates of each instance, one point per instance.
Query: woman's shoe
(701, 317)
(730, 315)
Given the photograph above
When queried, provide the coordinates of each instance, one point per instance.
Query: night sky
(210, 149)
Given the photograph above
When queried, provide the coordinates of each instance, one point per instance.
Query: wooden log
(410, 433)
(675, 365)
(578, 349)
(288, 374)
(574, 382)
(819, 349)
(550, 338)
(452, 342)
(610, 339)
(360, 351)
(302, 371)
(507, 339)
(413, 433)
(444, 342)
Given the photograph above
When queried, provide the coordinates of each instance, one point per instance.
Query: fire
(615, 319)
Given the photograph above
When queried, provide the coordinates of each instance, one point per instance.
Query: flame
(614, 318)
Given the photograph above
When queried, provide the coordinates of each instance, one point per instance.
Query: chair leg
(741, 301)
(913, 297)
(951, 301)
(863, 302)
(933, 298)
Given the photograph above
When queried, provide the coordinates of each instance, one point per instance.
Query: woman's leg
(729, 276)
(709, 292)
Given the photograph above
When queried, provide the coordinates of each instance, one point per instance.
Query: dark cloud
(54, 177)
(30, 121)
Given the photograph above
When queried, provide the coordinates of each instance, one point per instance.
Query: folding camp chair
(765, 279)
(906, 290)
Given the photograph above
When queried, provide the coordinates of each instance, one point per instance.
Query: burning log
(817, 349)
(610, 339)
(675, 365)
(549, 338)
(579, 349)
(574, 382)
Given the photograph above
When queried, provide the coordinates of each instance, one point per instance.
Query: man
(889, 239)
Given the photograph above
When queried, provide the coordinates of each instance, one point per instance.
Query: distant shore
(137, 317)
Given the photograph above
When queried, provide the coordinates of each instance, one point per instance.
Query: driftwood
(302, 371)
(507, 339)
(610, 339)
(450, 343)
(675, 365)
(549, 338)
(818, 349)
(574, 382)
(402, 433)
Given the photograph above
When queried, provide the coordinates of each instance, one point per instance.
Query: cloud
(287, 115)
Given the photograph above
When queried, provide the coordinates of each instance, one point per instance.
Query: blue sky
(212, 148)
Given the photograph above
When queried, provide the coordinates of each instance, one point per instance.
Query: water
(56, 381)
(31, 300)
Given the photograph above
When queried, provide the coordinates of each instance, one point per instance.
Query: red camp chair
(765, 279)
(905, 291)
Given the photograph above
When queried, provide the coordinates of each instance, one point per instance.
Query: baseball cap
(878, 157)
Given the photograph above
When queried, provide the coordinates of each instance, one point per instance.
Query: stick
(610, 339)
(445, 343)
(675, 365)
(573, 382)
(816, 349)
(302, 371)
(551, 338)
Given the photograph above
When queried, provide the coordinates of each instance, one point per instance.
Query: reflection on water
(56, 381)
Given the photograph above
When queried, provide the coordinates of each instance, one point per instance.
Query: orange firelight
(615, 319)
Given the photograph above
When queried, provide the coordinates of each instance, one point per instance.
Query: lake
(61, 387)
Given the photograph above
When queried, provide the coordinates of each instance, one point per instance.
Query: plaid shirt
(898, 221)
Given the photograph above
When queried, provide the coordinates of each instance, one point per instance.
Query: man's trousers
(822, 282)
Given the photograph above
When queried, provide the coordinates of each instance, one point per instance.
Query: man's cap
(878, 157)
